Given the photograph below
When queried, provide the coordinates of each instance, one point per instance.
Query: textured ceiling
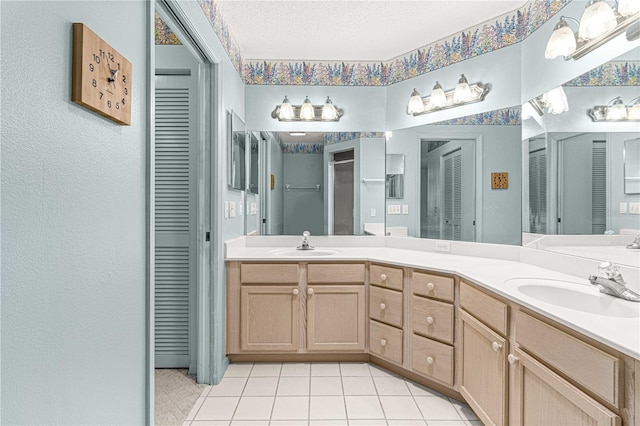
(339, 30)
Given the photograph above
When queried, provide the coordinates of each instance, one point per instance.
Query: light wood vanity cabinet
(512, 366)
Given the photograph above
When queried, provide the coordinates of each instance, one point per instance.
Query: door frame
(210, 269)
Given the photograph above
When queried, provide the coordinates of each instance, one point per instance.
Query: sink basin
(574, 296)
(304, 253)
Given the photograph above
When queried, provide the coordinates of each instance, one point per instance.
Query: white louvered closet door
(452, 211)
(538, 191)
(174, 220)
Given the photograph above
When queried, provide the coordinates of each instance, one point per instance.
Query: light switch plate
(444, 246)
(373, 212)
(226, 210)
(390, 209)
(634, 208)
(232, 209)
(405, 209)
(240, 208)
(254, 209)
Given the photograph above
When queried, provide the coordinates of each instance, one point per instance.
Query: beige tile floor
(310, 394)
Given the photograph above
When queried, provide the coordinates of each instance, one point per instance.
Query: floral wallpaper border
(163, 34)
(499, 117)
(505, 31)
(614, 73)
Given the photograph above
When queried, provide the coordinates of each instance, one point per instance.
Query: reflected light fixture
(555, 100)
(307, 111)
(463, 94)
(615, 110)
(438, 98)
(599, 24)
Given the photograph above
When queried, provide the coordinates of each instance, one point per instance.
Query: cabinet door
(484, 370)
(269, 318)
(541, 397)
(335, 318)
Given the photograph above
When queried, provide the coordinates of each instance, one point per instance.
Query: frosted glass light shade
(462, 93)
(438, 98)
(286, 110)
(329, 112)
(306, 111)
(527, 111)
(628, 7)
(633, 112)
(597, 19)
(556, 101)
(617, 110)
(416, 106)
(562, 41)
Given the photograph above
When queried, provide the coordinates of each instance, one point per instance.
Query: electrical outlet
(373, 212)
(634, 208)
(226, 209)
(405, 209)
(443, 246)
(232, 209)
(623, 208)
(390, 209)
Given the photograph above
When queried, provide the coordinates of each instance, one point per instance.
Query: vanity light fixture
(463, 94)
(615, 110)
(555, 100)
(307, 111)
(599, 24)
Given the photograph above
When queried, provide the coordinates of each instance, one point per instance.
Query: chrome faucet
(305, 242)
(635, 244)
(612, 283)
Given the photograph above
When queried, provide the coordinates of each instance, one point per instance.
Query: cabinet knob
(430, 286)
(383, 277)
(430, 360)
(309, 291)
(496, 346)
(295, 292)
(383, 306)
(383, 342)
(429, 320)
(512, 359)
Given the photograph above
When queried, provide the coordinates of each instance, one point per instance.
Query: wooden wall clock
(101, 79)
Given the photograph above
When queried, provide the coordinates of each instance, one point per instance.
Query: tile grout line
(242, 393)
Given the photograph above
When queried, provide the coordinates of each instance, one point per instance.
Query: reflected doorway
(342, 184)
(447, 199)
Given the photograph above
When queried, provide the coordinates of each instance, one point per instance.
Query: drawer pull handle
(383, 342)
(430, 360)
(383, 277)
(429, 320)
(512, 359)
(383, 306)
(496, 346)
(430, 286)
(295, 291)
(310, 291)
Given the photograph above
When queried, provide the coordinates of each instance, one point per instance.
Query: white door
(582, 184)
(538, 191)
(175, 208)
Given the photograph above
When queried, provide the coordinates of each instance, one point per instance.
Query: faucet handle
(306, 233)
(609, 270)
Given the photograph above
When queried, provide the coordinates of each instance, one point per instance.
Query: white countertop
(612, 321)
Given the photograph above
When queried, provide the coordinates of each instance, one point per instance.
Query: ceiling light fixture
(599, 24)
(615, 110)
(307, 111)
(463, 94)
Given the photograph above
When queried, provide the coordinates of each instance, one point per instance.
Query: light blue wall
(73, 223)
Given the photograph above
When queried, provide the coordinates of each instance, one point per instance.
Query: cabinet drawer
(386, 276)
(589, 366)
(263, 273)
(432, 286)
(385, 305)
(385, 341)
(335, 273)
(432, 359)
(490, 311)
(432, 319)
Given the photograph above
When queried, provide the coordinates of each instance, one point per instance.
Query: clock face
(101, 76)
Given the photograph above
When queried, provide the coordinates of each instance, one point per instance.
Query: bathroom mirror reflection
(253, 162)
(236, 152)
(324, 182)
